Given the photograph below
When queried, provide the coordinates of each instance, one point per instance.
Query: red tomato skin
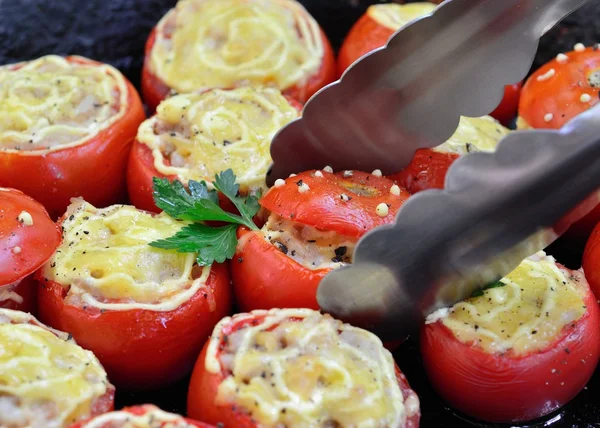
(37, 241)
(591, 261)
(141, 349)
(265, 278)
(504, 388)
(154, 90)
(139, 410)
(427, 170)
(508, 107)
(94, 169)
(27, 289)
(204, 386)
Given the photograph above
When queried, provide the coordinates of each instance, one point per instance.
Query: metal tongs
(497, 208)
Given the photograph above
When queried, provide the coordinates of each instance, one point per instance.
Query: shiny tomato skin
(323, 208)
(139, 410)
(154, 90)
(507, 109)
(426, 170)
(591, 261)
(141, 349)
(505, 388)
(203, 389)
(265, 278)
(560, 94)
(37, 242)
(94, 170)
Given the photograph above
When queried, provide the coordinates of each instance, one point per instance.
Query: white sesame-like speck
(579, 47)
(279, 182)
(548, 117)
(318, 174)
(553, 370)
(292, 175)
(377, 173)
(328, 169)
(547, 75)
(347, 173)
(395, 190)
(382, 209)
(561, 58)
(25, 218)
(16, 250)
(303, 188)
(585, 98)
(562, 383)
(344, 197)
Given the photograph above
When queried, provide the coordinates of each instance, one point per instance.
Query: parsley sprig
(199, 204)
(480, 292)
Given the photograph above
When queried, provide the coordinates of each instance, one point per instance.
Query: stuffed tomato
(46, 379)
(144, 311)
(143, 416)
(556, 93)
(205, 44)
(196, 136)
(297, 367)
(381, 21)
(28, 238)
(429, 167)
(315, 219)
(66, 128)
(521, 349)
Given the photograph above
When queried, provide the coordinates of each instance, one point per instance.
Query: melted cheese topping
(51, 103)
(154, 418)
(314, 249)
(479, 134)
(203, 44)
(394, 16)
(301, 368)
(46, 380)
(525, 315)
(196, 136)
(8, 293)
(105, 260)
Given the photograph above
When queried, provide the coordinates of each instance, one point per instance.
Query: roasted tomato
(205, 44)
(28, 238)
(196, 136)
(66, 128)
(297, 367)
(591, 261)
(521, 349)
(428, 168)
(555, 94)
(46, 379)
(315, 220)
(145, 312)
(381, 21)
(144, 416)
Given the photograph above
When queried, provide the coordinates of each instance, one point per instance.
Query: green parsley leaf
(213, 244)
(225, 183)
(496, 284)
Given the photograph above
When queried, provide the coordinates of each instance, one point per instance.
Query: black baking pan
(114, 31)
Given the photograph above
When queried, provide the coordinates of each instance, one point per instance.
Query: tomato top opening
(42, 365)
(348, 202)
(561, 89)
(321, 371)
(28, 237)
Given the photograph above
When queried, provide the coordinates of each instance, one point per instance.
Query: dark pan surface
(114, 31)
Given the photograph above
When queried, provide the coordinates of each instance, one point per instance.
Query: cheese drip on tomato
(105, 260)
(196, 136)
(153, 418)
(526, 314)
(203, 44)
(474, 134)
(312, 248)
(51, 103)
(46, 379)
(297, 367)
(394, 16)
